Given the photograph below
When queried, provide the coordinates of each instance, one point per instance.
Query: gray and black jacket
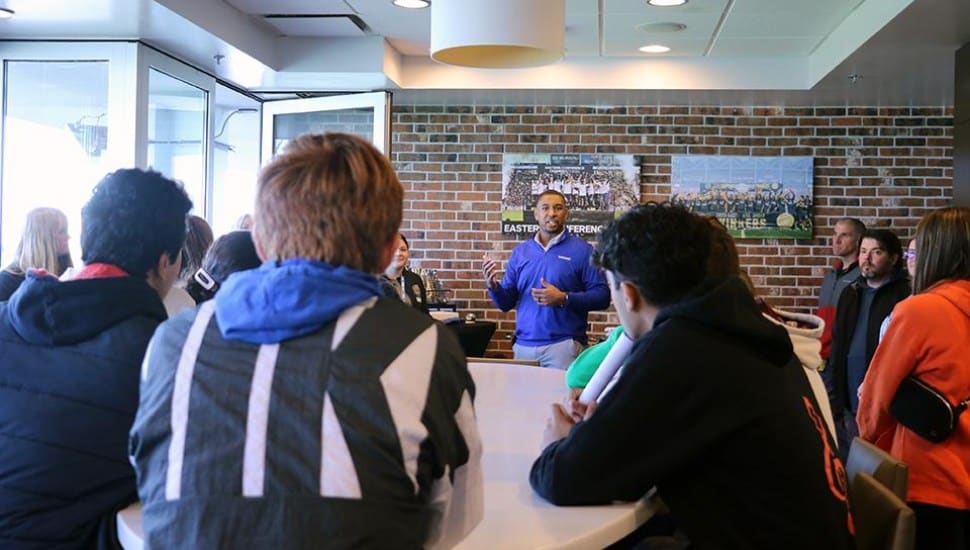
(361, 434)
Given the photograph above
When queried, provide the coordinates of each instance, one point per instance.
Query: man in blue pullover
(552, 285)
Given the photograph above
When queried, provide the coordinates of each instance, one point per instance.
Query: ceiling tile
(292, 7)
(765, 47)
(796, 21)
(641, 6)
(409, 31)
(340, 26)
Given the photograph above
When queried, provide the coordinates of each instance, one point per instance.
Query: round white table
(512, 405)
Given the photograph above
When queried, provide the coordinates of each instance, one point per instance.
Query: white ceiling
(731, 51)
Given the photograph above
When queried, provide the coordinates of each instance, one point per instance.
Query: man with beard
(550, 282)
(862, 306)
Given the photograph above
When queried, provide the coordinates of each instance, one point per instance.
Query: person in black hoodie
(712, 407)
(70, 356)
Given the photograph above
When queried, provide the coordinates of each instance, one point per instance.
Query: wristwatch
(565, 300)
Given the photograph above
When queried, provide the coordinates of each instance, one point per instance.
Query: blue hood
(281, 301)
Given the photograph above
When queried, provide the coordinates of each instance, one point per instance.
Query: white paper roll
(611, 363)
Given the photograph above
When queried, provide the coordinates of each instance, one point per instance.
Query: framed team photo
(754, 197)
(597, 188)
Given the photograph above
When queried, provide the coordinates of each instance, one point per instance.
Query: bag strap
(961, 406)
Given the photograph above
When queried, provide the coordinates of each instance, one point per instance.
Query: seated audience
(582, 369)
(231, 252)
(197, 242)
(929, 339)
(298, 408)
(723, 261)
(712, 407)
(400, 282)
(43, 245)
(72, 353)
(244, 223)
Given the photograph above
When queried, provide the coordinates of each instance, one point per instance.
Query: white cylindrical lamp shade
(498, 34)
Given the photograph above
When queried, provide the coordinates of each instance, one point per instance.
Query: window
(55, 138)
(177, 118)
(235, 158)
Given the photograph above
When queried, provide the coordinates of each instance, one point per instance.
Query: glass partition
(235, 158)
(177, 119)
(364, 115)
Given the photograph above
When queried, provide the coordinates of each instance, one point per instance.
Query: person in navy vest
(70, 357)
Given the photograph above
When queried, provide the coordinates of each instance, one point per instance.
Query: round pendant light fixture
(498, 34)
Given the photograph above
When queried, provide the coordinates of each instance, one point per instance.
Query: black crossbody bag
(925, 411)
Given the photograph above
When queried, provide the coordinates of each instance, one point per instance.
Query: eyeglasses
(909, 254)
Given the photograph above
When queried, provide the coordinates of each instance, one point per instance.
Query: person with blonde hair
(43, 245)
(929, 339)
(299, 408)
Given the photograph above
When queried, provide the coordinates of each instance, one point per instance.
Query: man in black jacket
(862, 307)
(70, 355)
(711, 407)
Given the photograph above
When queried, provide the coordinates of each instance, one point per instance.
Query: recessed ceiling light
(6, 13)
(654, 48)
(412, 4)
(666, 3)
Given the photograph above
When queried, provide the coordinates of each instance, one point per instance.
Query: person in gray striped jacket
(299, 408)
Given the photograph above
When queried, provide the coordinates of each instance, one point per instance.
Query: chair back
(866, 457)
(882, 520)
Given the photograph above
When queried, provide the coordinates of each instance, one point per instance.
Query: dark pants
(939, 528)
(846, 430)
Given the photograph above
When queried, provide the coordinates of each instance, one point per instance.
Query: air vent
(661, 27)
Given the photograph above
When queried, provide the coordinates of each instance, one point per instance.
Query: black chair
(866, 457)
(882, 520)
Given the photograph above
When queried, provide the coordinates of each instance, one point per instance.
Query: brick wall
(886, 166)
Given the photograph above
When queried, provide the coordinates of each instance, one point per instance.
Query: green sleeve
(585, 365)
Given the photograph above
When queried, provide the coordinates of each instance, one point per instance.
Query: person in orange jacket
(929, 338)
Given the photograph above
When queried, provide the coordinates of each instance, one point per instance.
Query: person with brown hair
(230, 253)
(299, 408)
(197, 243)
(929, 339)
(398, 281)
(43, 245)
